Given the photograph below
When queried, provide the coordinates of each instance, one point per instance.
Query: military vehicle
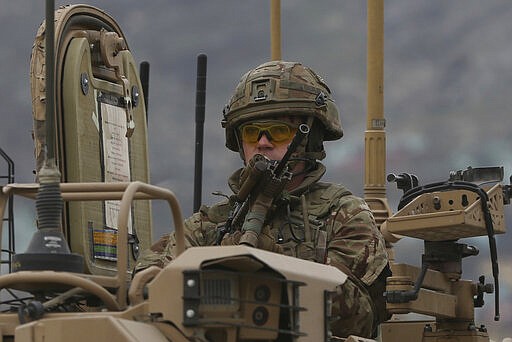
(74, 282)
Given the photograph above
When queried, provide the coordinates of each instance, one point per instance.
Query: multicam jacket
(339, 230)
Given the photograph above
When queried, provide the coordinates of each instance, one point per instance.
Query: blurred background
(447, 78)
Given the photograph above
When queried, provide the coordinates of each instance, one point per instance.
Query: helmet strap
(240, 145)
(315, 147)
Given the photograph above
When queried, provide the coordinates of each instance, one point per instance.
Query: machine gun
(469, 204)
(262, 181)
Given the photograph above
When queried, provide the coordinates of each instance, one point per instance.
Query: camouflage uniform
(316, 221)
(341, 232)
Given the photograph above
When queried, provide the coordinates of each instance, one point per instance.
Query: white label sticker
(116, 157)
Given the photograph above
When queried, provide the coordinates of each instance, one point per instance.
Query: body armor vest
(300, 223)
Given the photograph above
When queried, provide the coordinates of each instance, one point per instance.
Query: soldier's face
(270, 139)
(266, 147)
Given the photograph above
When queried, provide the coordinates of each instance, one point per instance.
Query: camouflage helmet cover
(281, 88)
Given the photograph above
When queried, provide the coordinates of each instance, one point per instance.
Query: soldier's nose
(264, 141)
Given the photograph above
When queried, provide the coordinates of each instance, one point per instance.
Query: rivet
(84, 83)
(135, 96)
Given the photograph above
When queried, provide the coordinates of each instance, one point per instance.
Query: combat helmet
(283, 88)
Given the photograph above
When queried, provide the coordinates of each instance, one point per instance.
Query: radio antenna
(200, 113)
(48, 248)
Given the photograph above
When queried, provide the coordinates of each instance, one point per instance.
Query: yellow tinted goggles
(276, 132)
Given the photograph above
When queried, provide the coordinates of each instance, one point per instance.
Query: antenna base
(48, 251)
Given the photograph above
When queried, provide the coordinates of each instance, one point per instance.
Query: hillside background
(448, 74)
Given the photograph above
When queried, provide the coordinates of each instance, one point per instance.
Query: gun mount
(471, 203)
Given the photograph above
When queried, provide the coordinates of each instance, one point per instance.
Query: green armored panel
(101, 129)
(96, 149)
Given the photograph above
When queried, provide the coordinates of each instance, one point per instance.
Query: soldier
(268, 105)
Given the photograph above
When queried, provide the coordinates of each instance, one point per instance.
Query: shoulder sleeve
(199, 231)
(354, 239)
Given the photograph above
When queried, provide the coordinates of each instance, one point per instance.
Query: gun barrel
(251, 175)
(302, 132)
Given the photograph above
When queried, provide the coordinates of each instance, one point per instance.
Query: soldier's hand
(231, 239)
(267, 241)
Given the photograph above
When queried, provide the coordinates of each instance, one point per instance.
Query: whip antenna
(48, 248)
(200, 109)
